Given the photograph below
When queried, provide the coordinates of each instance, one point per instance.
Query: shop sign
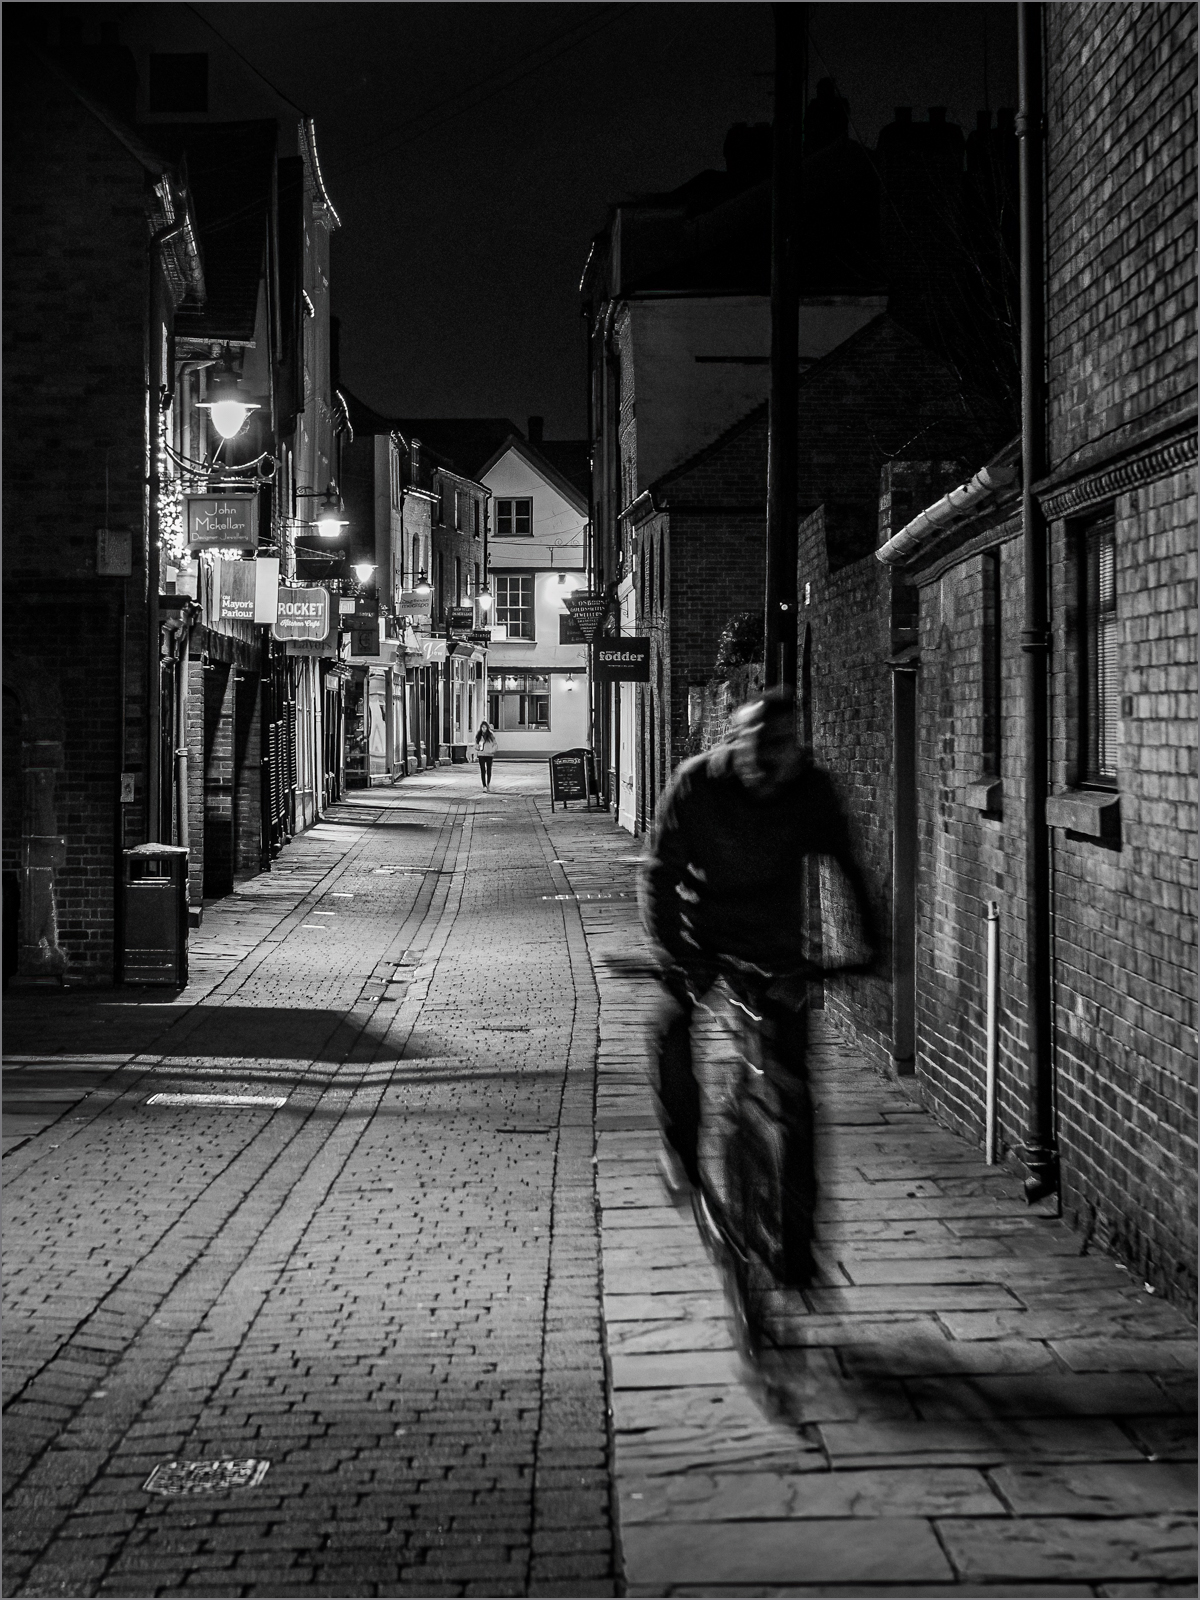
(480, 636)
(589, 608)
(364, 637)
(221, 521)
(302, 614)
(571, 777)
(624, 660)
(413, 604)
(247, 591)
(460, 618)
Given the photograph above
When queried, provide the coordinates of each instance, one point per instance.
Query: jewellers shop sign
(302, 614)
(221, 521)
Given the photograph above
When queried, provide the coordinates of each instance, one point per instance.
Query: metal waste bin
(154, 915)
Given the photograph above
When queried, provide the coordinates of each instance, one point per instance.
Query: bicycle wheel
(797, 1265)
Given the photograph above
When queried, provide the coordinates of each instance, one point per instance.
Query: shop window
(514, 519)
(519, 701)
(514, 604)
(1099, 683)
(991, 666)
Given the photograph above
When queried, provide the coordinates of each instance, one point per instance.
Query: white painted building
(538, 697)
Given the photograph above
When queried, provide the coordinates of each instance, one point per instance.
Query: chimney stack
(533, 429)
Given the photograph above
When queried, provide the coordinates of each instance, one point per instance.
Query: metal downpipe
(1040, 1153)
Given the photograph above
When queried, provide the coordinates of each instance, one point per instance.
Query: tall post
(1040, 1156)
(791, 45)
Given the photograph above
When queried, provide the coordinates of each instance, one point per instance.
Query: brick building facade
(1118, 822)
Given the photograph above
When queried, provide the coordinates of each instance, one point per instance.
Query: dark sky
(472, 150)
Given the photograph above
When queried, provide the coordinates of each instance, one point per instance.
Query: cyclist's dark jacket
(724, 872)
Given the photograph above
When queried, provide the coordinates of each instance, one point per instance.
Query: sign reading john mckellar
(222, 521)
(303, 614)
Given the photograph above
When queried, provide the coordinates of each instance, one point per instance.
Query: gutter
(643, 506)
(962, 503)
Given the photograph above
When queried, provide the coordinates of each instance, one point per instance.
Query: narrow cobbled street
(366, 1220)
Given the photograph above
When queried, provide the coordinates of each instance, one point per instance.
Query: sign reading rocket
(303, 614)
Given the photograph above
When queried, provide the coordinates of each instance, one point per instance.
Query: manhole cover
(217, 1100)
(205, 1477)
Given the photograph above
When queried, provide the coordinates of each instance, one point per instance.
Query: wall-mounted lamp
(330, 520)
(484, 596)
(570, 683)
(422, 585)
(363, 570)
(227, 408)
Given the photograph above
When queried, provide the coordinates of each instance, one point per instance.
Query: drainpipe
(153, 642)
(993, 977)
(791, 45)
(1040, 1154)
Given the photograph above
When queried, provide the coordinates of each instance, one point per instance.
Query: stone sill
(986, 796)
(1092, 813)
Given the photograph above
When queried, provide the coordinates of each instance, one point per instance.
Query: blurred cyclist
(724, 878)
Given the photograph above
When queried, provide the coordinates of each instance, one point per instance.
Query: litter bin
(154, 915)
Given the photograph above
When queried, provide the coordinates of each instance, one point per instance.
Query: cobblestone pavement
(389, 1287)
(970, 1406)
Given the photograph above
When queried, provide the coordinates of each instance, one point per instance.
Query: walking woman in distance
(485, 745)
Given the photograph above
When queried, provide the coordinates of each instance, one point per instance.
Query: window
(458, 594)
(514, 519)
(394, 460)
(458, 508)
(416, 560)
(178, 83)
(475, 517)
(1098, 679)
(991, 665)
(514, 604)
(441, 584)
(519, 700)
(476, 588)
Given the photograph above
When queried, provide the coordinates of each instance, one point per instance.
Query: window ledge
(986, 795)
(1094, 813)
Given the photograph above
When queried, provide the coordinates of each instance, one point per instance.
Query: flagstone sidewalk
(973, 1406)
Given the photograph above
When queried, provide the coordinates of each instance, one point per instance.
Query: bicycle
(755, 1207)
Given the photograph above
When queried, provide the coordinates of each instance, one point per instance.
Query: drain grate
(217, 1100)
(205, 1477)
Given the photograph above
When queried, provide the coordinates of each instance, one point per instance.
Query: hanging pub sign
(221, 521)
(460, 618)
(589, 608)
(247, 591)
(303, 614)
(624, 660)
(414, 603)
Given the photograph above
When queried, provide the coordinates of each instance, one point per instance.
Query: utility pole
(791, 49)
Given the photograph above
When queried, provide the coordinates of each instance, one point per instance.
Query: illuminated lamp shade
(330, 520)
(363, 570)
(227, 408)
(423, 585)
(485, 598)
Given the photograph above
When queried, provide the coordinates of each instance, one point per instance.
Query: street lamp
(422, 585)
(484, 597)
(330, 520)
(363, 570)
(225, 406)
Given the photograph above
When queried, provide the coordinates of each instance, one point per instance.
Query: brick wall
(1121, 202)
(1125, 919)
(219, 787)
(248, 774)
(75, 287)
(967, 856)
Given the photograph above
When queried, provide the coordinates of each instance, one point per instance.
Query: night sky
(472, 150)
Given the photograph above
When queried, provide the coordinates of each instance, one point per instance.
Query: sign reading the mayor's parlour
(624, 660)
(221, 521)
(303, 614)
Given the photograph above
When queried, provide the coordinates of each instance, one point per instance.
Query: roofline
(535, 458)
(959, 506)
(308, 131)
